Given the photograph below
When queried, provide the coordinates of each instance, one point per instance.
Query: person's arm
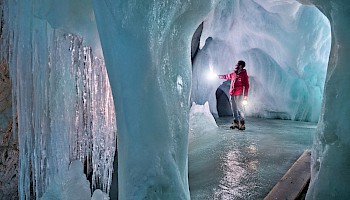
(227, 76)
(223, 76)
(246, 85)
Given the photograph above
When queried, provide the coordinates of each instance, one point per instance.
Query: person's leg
(240, 107)
(240, 111)
(235, 113)
(234, 108)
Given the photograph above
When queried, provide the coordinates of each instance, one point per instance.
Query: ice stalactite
(64, 104)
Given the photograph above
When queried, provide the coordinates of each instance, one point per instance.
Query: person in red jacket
(239, 92)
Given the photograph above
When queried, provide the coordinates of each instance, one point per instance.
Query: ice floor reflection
(230, 164)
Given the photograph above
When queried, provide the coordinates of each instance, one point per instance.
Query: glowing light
(211, 74)
(245, 102)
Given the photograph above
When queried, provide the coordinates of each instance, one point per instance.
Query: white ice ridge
(201, 120)
(73, 185)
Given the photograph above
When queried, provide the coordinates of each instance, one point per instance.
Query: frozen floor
(231, 164)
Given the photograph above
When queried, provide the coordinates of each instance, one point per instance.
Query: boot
(242, 125)
(235, 125)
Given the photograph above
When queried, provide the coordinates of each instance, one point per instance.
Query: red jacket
(239, 83)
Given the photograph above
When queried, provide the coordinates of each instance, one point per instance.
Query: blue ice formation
(146, 46)
(64, 105)
(286, 47)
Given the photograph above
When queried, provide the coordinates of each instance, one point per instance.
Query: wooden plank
(294, 181)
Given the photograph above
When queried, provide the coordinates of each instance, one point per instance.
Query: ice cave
(105, 99)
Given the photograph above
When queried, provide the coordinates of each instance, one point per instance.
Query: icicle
(104, 128)
(64, 104)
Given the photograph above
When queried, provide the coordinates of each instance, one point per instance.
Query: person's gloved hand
(221, 76)
(245, 97)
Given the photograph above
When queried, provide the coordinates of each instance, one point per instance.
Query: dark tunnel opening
(223, 104)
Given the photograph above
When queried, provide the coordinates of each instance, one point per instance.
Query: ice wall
(61, 97)
(286, 47)
(330, 157)
(146, 46)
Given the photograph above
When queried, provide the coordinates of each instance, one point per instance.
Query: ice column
(146, 46)
(63, 102)
(330, 164)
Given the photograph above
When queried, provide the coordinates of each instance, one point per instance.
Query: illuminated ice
(61, 98)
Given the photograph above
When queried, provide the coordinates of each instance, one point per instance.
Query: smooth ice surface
(71, 16)
(232, 164)
(286, 47)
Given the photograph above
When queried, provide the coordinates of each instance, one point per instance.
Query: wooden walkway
(294, 181)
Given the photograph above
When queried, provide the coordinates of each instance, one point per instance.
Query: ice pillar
(330, 165)
(146, 46)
